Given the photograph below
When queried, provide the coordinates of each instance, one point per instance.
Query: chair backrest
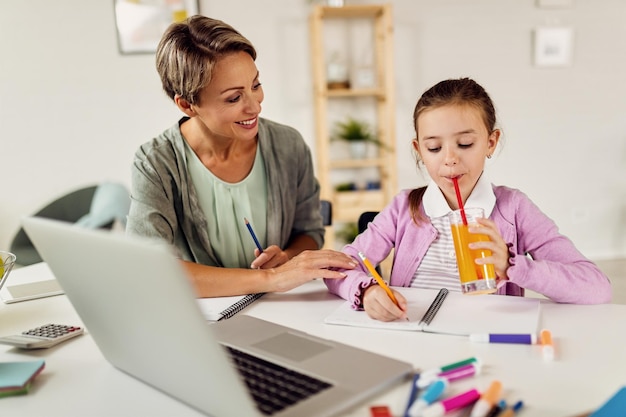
(69, 207)
(110, 202)
(327, 212)
(86, 206)
(364, 219)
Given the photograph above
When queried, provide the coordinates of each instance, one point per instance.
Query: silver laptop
(137, 304)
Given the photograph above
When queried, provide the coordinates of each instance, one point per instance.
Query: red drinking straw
(459, 199)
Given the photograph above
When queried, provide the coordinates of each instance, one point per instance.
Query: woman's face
(229, 106)
(453, 142)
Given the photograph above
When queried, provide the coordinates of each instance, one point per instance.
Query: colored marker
(432, 394)
(547, 347)
(412, 394)
(496, 410)
(256, 241)
(451, 375)
(445, 368)
(380, 411)
(487, 400)
(526, 339)
(440, 408)
(511, 411)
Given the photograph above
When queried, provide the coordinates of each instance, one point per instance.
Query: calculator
(42, 337)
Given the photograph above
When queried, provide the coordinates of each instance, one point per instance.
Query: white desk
(589, 366)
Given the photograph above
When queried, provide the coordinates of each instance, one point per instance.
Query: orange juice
(475, 279)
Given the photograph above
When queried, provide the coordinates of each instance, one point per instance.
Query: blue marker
(525, 339)
(510, 412)
(432, 393)
(412, 395)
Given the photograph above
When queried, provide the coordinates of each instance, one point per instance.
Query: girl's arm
(547, 262)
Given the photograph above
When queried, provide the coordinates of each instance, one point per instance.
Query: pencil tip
(245, 220)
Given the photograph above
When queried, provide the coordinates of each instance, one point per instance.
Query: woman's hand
(271, 257)
(309, 265)
(379, 306)
(496, 244)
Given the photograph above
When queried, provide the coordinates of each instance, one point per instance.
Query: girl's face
(230, 105)
(453, 142)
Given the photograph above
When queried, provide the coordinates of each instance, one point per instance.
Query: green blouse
(225, 205)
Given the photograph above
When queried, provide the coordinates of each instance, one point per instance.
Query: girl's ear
(417, 154)
(184, 106)
(493, 140)
(416, 146)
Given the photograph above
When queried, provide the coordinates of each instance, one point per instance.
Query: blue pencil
(256, 241)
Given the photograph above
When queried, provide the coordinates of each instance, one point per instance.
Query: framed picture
(141, 23)
(554, 46)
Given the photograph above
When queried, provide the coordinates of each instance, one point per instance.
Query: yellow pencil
(378, 278)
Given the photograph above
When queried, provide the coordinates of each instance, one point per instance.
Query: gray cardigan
(165, 204)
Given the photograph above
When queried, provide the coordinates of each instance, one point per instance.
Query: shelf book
(449, 312)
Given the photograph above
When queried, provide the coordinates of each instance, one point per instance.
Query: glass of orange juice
(475, 279)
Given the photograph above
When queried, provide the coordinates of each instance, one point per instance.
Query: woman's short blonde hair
(189, 50)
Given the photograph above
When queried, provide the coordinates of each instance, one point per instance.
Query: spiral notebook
(451, 313)
(221, 308)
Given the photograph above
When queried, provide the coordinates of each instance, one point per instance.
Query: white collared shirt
(435, 204)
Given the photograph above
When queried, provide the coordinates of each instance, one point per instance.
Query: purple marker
(525, 339)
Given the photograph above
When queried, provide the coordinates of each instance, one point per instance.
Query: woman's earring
(489, 156)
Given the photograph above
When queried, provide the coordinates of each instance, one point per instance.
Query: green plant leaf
(356, 130)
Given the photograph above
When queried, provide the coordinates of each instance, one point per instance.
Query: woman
(197, 183)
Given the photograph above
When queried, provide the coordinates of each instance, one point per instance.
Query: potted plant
(358, 134)
(348, 232)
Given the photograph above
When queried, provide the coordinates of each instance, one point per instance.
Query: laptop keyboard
(272, 386)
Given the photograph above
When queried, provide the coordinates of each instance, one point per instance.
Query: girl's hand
(496, 244)
(271, 257)
(379, 306)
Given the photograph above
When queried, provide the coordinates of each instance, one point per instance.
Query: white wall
(73, 110)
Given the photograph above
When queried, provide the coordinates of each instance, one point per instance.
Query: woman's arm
(212, 281)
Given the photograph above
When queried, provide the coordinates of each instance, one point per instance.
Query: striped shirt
(438, 268)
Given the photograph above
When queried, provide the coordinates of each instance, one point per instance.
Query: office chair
(95, 206)
(364, 219)
(327, 212)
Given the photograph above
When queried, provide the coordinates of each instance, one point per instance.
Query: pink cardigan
(542, 259)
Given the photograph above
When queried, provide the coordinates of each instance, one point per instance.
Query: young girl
(455, 132)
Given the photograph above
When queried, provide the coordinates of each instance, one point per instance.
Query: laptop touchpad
(292, 347)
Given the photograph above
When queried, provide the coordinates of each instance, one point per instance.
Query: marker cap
(547, 346)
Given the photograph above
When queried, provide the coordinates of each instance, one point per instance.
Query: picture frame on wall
(141, 23)
(553, 46)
